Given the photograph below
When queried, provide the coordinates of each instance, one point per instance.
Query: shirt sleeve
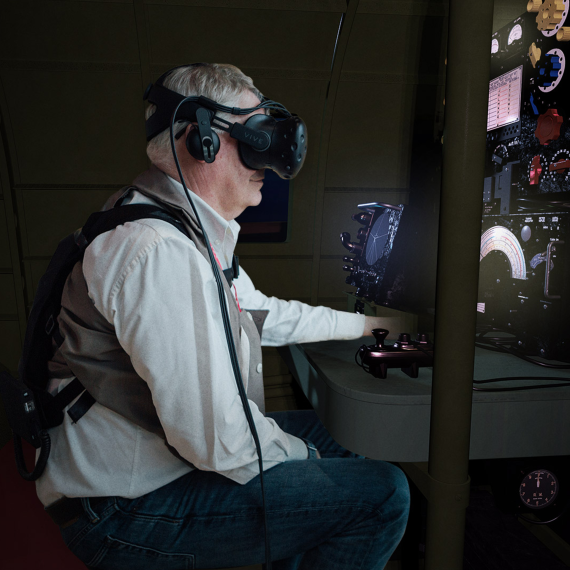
(292, 322)
(166, 313)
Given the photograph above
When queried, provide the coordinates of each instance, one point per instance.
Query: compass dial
(501, 239)
(379, 235)
(538, 489)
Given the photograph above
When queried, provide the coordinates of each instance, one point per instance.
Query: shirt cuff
(298, 448)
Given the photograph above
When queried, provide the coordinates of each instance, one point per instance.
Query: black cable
(229, 338)
(517, 388)
(545, 522)
(494, 344)
(510, 378)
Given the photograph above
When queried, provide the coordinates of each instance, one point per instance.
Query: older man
(154, 306)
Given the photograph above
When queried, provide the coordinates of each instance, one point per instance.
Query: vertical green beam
(466, 97)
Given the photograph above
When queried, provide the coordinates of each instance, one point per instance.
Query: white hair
(221, 82)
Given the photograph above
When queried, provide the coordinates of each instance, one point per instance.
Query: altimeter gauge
(539, 489)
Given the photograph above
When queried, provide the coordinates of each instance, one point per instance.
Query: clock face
(379, 235)
(538, 489)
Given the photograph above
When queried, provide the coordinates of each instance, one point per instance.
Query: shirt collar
(221, 233)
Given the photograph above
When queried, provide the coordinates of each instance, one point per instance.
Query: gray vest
(91, 350)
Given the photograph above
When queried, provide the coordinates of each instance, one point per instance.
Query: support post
(466, 99)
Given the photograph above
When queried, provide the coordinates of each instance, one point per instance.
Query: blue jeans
(336, 513)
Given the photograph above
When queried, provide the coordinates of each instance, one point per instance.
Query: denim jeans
(340, 512)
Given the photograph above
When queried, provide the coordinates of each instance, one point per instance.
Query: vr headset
(277, 141)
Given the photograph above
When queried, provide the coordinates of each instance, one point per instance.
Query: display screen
(505, 99)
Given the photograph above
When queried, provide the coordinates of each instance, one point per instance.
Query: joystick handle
(380, 336)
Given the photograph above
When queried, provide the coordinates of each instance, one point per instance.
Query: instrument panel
(525, 263)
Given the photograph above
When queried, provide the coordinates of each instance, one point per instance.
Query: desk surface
(389, 419)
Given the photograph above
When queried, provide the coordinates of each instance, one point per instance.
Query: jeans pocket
(117, 554)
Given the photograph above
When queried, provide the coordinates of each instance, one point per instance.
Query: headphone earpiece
(195, 145)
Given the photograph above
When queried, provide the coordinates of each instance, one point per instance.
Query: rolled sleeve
(292, 322)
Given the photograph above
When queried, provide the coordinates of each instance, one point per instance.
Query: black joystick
(405, 353)
(380, 336)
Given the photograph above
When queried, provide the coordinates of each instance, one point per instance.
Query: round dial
(379, 235)
(538, 489)
(515, 34)
(495, 46)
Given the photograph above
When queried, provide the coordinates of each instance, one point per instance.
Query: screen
(505, 99)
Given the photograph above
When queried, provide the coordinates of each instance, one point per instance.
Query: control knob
(548, 128)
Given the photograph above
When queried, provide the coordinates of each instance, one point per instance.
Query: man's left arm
(292, 322)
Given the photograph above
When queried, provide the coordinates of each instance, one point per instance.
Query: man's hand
(373, 323)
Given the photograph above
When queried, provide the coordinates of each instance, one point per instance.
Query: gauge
(559, 168)
(378, 237)
(501, 239)
(538, 489)
(495, 46)
(515, 34)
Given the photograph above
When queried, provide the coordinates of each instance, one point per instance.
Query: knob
(347, 268)
(362, 218)
(548, 70)
(361, 234)
(348, 258)
(534, 54)
(533, 5)
(422, 337)
(535, 170)
(549, 14)
(548, 128)
(563, 34)
(404, 338)
(380, 336)
(352, 247)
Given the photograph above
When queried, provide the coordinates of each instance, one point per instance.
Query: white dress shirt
(144, 277)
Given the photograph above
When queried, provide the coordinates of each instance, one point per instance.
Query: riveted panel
(5, 259)
(339, 207)
(53, 214)
(91, 129)
(68, 31)
(279, 40)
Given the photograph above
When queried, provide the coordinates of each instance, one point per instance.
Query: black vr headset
(277, 141)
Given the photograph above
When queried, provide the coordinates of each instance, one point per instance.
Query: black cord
(545, 522)
(496, 347)
(516, 388)
(229, 337)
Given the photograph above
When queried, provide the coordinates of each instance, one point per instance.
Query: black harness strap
(97, 224)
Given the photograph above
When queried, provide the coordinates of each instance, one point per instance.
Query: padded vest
(91, 351)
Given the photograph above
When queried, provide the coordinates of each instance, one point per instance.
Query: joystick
(405, 353)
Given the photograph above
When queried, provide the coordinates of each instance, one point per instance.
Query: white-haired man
(126, 500)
